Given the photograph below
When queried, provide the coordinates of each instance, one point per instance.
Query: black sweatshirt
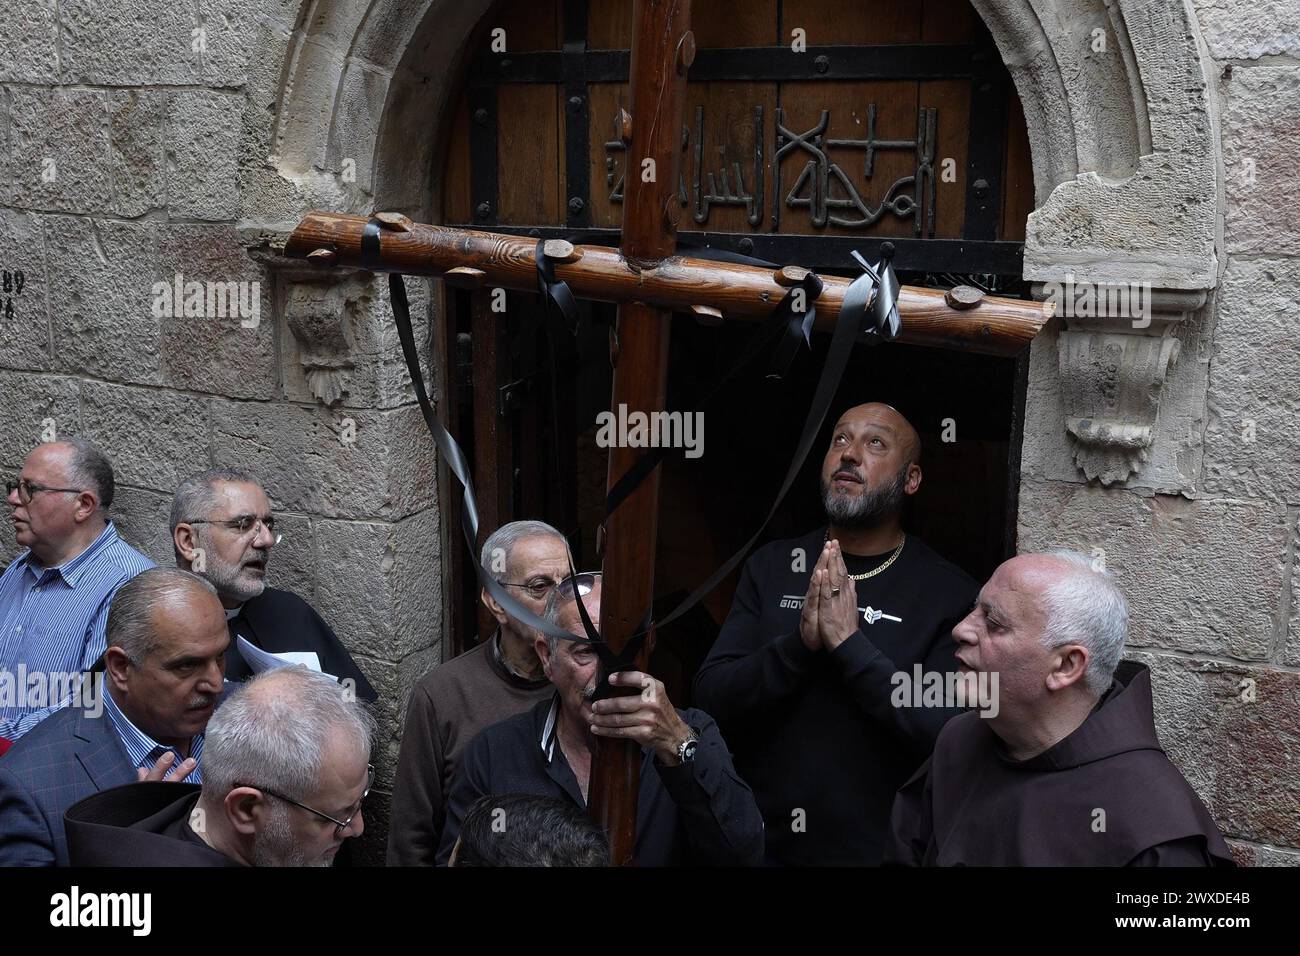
(814, 733)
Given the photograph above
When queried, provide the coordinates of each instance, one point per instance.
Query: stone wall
(135, 142)
(139, 140)
(1203, 537)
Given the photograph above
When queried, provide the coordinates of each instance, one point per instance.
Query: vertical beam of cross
(663, 48)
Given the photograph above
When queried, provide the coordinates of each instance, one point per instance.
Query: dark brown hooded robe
(1106, 795)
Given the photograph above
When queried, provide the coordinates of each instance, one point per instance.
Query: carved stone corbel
(318, 316)
(320, 310)
(1115, 354)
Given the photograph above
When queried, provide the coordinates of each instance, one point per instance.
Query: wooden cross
(663, 49)
(648, 282)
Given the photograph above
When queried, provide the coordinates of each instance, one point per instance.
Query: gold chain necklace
(871, 574)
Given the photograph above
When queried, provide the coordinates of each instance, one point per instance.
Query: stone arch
(367, 83)
(1118, 104)
(1123, 132)
(1128, 181)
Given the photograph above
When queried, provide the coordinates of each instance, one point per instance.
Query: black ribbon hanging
(451, 450)
(791, 320)
(785, 321)
(886, 322)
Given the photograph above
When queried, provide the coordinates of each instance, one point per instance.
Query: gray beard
(870, 509)
(274, 843)
(225, 578)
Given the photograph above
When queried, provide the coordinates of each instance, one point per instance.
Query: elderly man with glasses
(286, 769)
(222, 528)
(54, 596)
(454, 701)
(692, 806)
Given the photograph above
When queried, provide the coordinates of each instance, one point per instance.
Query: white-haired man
(286, 769)
(1068, 770)
(495, 680)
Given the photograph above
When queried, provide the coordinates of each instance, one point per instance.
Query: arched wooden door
(814, 127)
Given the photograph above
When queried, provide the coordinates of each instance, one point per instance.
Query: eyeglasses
(340, 826)
(583, 583)
(535, 589)
(27, 489)
(243, 524)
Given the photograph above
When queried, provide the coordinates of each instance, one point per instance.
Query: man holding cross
(692, 806)
(804, 674)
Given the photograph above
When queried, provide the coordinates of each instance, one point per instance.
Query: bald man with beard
(804, 677)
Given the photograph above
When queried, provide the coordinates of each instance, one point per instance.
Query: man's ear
(116, 665)
(87, 505)
(186, 540)
(543, 652)
(245, 809)
(493, 607)
(1070, 665)
(913, 483)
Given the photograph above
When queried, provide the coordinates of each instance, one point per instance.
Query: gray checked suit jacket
(66, 757)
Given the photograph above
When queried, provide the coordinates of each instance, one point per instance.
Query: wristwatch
(686, 749)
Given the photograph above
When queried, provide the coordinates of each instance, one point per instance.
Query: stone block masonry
(142, 140)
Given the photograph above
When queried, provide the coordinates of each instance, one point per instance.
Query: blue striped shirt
(52, 620)
(143, 750)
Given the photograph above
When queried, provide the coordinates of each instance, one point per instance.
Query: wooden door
(814, 127)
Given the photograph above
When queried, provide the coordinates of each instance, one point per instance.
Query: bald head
(1038, 571)
(569, 618)
(889, 419)
(870, 468)
(1046, 614)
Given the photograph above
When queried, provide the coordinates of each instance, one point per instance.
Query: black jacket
(816, 734)
(280, 621)
(140, 824)
(699, 813)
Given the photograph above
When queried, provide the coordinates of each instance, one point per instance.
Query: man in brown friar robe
(1060, 765)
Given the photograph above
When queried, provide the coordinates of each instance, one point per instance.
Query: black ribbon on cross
(869, 313)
